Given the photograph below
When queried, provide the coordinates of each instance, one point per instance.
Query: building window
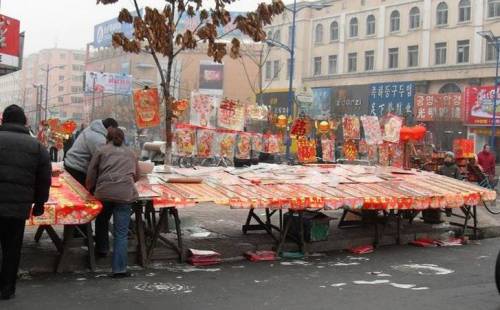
(76, 99)
(395, 21)
(449, 88)
(80, 57)
(61, 78)
(62, 56)
(352, 62)
(393, 58)
(415, 18)
(60, 88)
(370, 25)
(464, 11)
(413, 56)
(318, 34)
(493, 8)
(317, 66)
(369, 60)
(60, 99)
(269, 70)
(332, 64)
(77, 67)
(276, 71)
(442, 14)
(441, 53)
(463, 48)
(277, 36)
(491, 52)
(334, 31)
(76, 89)
(353, 27)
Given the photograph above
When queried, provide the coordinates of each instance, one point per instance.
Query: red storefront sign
(479, 105)
(9, 41)
(438, 107)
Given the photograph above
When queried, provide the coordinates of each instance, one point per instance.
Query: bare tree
(156, 32)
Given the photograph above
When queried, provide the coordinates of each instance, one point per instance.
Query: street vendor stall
(70, 205)
(322, 187)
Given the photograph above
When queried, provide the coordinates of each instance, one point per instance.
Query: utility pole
(46, 92)
(93, 97)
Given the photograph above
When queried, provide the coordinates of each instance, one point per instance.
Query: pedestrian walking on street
(25, 179)
(486, 159)
(111, 176)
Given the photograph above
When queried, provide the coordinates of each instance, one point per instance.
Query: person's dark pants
(53, 154)
(121, 220)
(11, 239)
(80, 178)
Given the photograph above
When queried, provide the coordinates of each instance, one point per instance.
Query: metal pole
(93, 98)
(46, 92)
(38, 110)
(495, 95)
(290, 86)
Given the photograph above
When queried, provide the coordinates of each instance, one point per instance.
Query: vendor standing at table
(25, 178)
(85, 146)
(111, 176)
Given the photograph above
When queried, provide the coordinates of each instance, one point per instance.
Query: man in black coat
(25, 179)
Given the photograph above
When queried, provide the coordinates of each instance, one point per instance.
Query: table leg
(247, 222)
(398, 236)
(90, 247)
(156, 233)
(178, 229)
(141, 238)
(67, 239)
(283, 236)
(39, 233)
(474, 214)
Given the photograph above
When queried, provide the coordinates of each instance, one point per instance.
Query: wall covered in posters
(352, 100)
(438, 107)
(396, 98)
(479, 105)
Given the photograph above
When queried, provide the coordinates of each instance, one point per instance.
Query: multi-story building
(433, 43)
(62, 70)
(65, 85)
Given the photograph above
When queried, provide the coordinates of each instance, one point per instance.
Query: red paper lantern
(406, 133)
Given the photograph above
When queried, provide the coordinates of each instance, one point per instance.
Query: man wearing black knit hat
(25, 177)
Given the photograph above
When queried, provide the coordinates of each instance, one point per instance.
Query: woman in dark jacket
(111, 176)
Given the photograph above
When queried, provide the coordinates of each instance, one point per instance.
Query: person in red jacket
(486, 159)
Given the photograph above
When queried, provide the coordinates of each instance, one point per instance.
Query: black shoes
(121, 275)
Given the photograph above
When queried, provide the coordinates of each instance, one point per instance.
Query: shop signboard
(108, 83)
(320, 105)
(277, 102)
(438, 107)
(9, 41)
(211, 77)
(350, 100)
(396, 98)
(479, 105)
(103, 32)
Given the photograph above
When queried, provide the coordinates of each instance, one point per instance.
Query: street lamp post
(495, 40)
(291, 49)
(47, 71)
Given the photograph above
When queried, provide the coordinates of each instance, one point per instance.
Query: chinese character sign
(147, 108)
(352, 100)
(438, 107)
(395, 98)
(479, 103)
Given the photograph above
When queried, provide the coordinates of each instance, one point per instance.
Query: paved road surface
(399, 277)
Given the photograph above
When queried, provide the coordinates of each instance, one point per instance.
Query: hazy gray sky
(70, 23)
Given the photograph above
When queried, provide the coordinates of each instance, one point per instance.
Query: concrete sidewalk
(211, 227)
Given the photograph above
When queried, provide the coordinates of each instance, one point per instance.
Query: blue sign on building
(395, 98)
(103, 33)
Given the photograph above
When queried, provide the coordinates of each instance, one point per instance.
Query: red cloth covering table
(71, 205)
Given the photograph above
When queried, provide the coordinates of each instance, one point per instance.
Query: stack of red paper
(260, 256)
(204, 258)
